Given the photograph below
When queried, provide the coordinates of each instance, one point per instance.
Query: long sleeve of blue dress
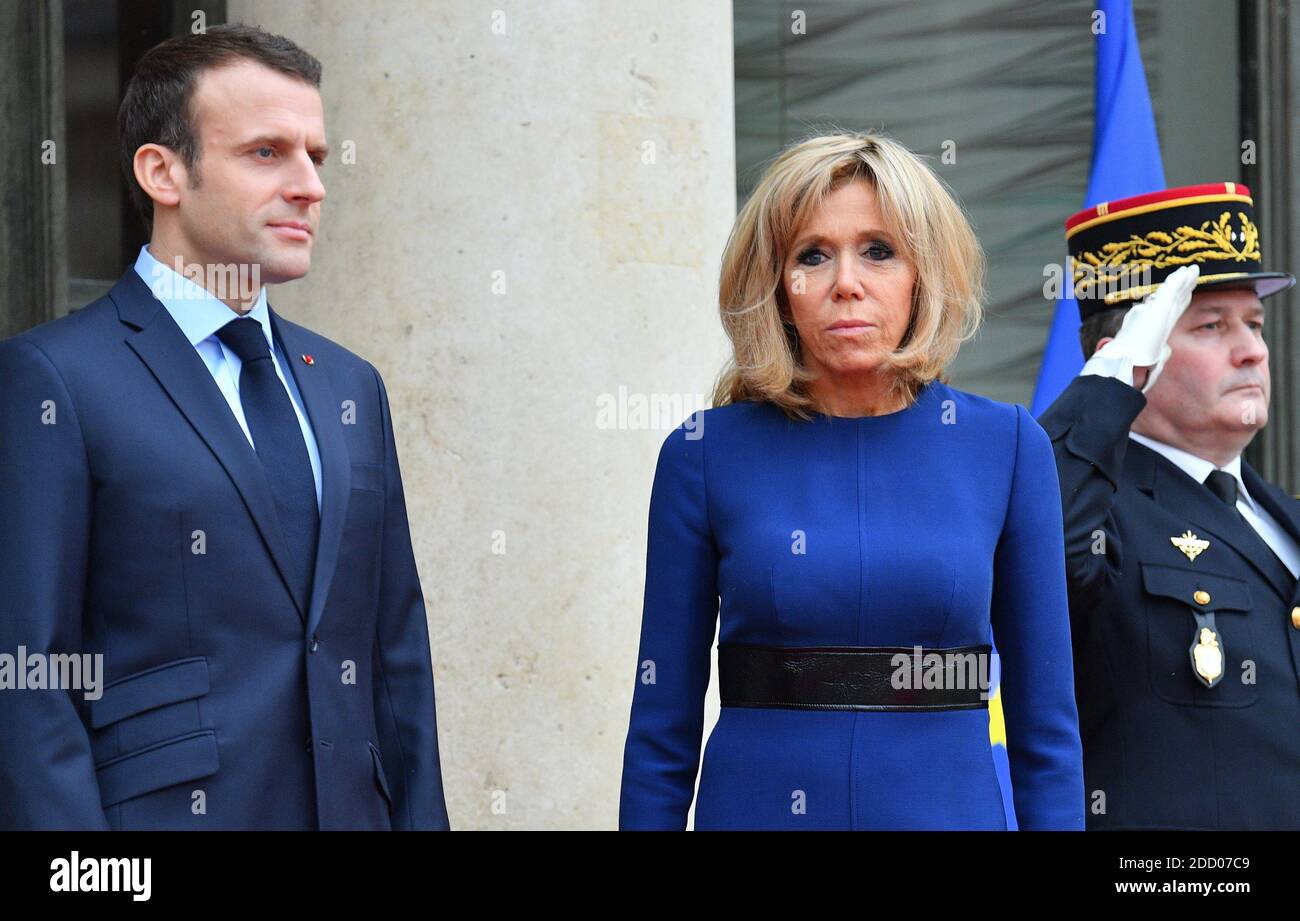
(1031, 628)
(681, 606)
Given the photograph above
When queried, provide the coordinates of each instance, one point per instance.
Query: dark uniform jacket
(1160, 748)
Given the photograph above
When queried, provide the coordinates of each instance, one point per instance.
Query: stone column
(527, 206)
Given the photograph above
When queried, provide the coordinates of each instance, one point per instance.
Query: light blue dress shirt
(200, 315)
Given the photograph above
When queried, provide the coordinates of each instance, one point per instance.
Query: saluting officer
(1182, 561)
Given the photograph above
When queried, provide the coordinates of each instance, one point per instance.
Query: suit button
(314, 643)
(1201, 597)
(309, 745)
(1295, 618)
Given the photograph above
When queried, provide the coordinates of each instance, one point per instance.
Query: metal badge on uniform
(1207, 650)
(1191, 545)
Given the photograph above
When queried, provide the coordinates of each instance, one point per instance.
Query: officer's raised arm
(1089, 426)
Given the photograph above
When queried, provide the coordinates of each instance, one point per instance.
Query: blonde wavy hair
(934, 236)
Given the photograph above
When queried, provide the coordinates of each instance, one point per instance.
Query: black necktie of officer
(278, 441)
(1224, 485)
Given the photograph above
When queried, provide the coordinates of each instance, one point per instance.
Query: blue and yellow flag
(1125, 161)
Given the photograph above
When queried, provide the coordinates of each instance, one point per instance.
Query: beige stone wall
(530, 231)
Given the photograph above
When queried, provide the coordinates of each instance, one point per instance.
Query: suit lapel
(1284, 509)
(324, 410)
(162, 346)
(1209, 518)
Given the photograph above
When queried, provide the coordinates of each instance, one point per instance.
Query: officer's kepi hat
(1120, 251)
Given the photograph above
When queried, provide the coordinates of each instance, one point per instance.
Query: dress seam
(862, 564)
(704, 484)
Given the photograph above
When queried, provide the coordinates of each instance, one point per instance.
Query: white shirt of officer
(1198, 468)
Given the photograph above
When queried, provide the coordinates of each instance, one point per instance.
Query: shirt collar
(1198, 468)
(195, 310)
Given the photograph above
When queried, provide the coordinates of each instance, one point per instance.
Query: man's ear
(160, 173)
(1100, 342)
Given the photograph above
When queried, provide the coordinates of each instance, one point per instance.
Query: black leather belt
(853, 677)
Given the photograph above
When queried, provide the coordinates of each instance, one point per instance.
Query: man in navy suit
(207, 496)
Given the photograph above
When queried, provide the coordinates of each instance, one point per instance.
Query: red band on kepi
(1120, 251)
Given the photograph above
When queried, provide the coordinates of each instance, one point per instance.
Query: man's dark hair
(156, 108)
(1099, 326)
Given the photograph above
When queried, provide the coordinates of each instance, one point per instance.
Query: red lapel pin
(309, 359)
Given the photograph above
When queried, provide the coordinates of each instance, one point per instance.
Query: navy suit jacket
(1161, 750)
(136, 523)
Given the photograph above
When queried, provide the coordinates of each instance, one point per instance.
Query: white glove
(1142, 341)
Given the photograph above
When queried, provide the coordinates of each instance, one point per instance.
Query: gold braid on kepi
(1120, 251)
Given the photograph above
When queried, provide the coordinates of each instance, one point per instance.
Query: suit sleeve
(47, 771)
(1089, 426)
(1031, 627)
(404, 690)
(680, 611)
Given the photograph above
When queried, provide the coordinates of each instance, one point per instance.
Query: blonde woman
(862, 529)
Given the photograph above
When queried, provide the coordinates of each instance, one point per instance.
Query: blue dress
(936, 526)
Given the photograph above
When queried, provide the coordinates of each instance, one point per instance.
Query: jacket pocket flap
(162, 765)
(368, 476)
(1223, 593)
(154, 687)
